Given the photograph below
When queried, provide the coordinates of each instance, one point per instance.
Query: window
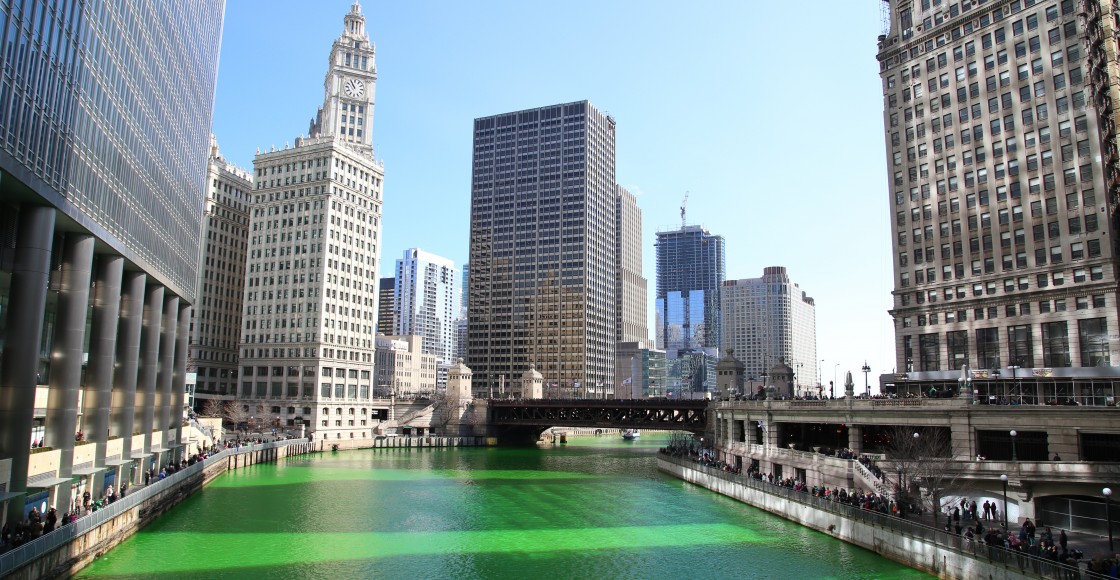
(1093, 339)
(957, 346)
(987, 345)
(929, 350)
(1019, 346)
(1055, 344)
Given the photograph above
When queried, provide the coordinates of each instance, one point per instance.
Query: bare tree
(235, 413)
(923, 465)
(212, 408)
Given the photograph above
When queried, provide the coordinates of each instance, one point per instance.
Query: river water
(596, 508)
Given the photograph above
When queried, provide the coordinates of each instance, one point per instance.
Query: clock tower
(347, 110)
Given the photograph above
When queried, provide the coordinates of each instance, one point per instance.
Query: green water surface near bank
(596, 508)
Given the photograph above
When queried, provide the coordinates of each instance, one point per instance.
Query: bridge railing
(20, 555)
(968, 547)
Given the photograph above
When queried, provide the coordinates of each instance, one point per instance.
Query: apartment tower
(426, 302)
(768, 320)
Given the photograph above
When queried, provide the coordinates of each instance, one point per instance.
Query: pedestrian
(1063, 540)
(987, 510)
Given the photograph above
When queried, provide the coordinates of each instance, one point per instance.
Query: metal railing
(17, 557)
(974, 548)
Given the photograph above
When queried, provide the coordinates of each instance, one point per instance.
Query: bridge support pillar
(855, 438)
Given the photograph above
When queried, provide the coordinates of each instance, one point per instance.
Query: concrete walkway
(1091, 545)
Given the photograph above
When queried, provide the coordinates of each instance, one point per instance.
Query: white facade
(307, 351)
(767, 320)
(216, 316)
(426, 301)
(403, 368)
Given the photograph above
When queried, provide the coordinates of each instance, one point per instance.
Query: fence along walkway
(17, 557)
(1021, 561)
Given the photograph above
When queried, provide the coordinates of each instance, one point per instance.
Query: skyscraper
(632, 322)
(216, 320)
(542, 256)
(767, 320)
(690, 271)
(103, 146)
(386, 316)
(311, 286)
(997, 119)
(426, 301)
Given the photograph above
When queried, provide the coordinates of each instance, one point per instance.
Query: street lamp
(1108, 513)
(835, 368)
(1003, 478)
(866, 384)
(1014, 434)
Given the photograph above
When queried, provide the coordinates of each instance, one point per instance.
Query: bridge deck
(685, 415)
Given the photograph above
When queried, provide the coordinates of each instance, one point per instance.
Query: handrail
(963, 546)
(870, 478)
(20, 555)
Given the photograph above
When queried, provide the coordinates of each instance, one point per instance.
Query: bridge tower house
(729, 376)
(532, 384)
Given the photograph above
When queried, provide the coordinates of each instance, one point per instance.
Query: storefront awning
(88, 470)
(49, 482)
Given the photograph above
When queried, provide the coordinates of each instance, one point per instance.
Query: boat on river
(631, 434)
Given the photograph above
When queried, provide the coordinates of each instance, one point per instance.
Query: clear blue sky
(769, 113)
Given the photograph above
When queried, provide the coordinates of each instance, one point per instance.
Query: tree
(234, 413)
(212, 408)
(923, 464)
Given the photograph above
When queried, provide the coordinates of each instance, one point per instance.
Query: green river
(595, 508)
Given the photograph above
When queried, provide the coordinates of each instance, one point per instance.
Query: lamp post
(1003, 478)
(1014, 434)
(1108, 513)
(820, 373)
(866, 382)
(835, 368)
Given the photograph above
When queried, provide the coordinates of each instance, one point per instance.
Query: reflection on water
(595, 508)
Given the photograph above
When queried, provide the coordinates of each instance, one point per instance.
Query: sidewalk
(1091, 545)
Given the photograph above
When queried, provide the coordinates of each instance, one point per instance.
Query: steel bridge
(666, 414)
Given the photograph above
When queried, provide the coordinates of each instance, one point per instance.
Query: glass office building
(105, 111)
(690, 271)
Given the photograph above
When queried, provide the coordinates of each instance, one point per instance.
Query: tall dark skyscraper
(690, 270)
(105, 117)
(542, 285)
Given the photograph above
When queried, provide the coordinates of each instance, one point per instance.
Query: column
(179, 382)
(97, 400)
(164, 416)
(66, 357)
(122, 416)
(18, 373)
(149, 364)
(855, 438)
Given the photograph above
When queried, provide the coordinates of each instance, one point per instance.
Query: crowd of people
(964, 518)
(37, 524)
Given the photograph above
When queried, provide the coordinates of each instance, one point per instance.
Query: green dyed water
(597, 508)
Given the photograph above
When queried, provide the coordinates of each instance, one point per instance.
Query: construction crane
(684, 202)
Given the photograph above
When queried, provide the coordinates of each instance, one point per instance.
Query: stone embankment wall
(916, 552)
(72, 547)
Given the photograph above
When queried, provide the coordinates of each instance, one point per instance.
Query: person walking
(1063, 540)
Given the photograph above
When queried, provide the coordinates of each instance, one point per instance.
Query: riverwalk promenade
(906, 541)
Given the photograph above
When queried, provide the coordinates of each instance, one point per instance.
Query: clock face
(354, 87)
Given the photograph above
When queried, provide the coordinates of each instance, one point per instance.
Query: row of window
(1010, 310)
(1019, 349)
